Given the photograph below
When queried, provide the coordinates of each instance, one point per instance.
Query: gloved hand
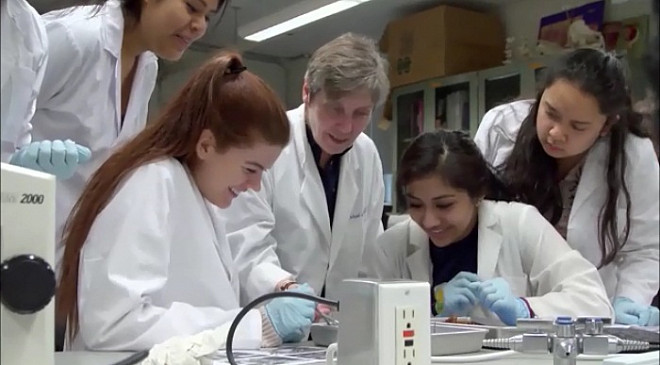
(456, 297)
(496, 296)
(629, 312)
(291, 317)
(57, 158)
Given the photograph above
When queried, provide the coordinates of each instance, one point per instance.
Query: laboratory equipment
(384, 323)
(324, 334)
(451, 340)
(650, 334)
(211, 343)
(27, 280)
(566, 342)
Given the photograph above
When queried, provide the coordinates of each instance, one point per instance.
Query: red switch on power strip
(408, 333)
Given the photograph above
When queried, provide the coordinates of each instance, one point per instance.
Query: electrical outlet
(408, 328)
(373, 319)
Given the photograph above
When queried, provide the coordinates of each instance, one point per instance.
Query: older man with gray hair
(321, 203)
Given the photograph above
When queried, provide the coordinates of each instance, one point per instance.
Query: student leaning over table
(581, 155)
(146, 258)
(482, 255)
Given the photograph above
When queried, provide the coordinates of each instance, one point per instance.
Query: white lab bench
(109, 358)
(89, 358)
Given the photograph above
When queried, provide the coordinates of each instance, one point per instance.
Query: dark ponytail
(454, 157)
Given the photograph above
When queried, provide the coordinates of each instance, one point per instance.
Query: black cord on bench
(261, 299)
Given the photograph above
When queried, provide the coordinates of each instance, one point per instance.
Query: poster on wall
(554, 30)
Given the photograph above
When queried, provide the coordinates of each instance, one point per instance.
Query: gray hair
(347, 63)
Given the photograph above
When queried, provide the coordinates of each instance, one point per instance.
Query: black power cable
(139, 356)
(261, 299)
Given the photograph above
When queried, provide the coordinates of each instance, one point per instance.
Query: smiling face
(168, 27)
(337, 122)
(221, 176)
(446, 214)
(569, 121)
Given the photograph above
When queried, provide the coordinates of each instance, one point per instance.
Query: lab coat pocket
(18, 102)
(358, 213)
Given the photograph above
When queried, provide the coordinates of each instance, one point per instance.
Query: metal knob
(27, 284)
(564, 327)
(593, 326)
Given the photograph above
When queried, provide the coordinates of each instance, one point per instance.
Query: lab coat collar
(17, 11)
(216, 224)
(112, 35)
(299, 137)
(311, 181)
(489, 245)
(594, 169)
(347, 193)
(418, 257)
(311, 185)
(490, 240)
(112, 31)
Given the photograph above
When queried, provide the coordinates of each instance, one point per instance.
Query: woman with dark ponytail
(580, 154)
(146, 258)
(484, 256)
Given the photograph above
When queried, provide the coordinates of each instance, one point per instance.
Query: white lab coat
(156, 264)
(634, 274)
(80, 97)
(284, 230)
(515, 243)
(24, 55)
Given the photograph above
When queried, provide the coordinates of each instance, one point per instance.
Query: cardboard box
(440, 42)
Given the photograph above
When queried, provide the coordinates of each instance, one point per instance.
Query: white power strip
(647, 358)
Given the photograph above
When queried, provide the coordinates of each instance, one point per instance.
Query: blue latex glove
(57, 157)
(495, 295)
(456, 297)
(292, 317)
(629, 312)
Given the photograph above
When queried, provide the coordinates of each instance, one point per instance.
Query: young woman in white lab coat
(146, 258)
(101, 72)
(492, 260)
(24, 57)
(579, 153)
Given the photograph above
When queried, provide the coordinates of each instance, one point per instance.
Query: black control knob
(27, 284)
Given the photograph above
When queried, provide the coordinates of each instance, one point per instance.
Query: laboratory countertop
(110, 358)
(89, 358)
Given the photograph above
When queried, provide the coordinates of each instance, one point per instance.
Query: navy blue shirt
(329, 174)
(450, 260)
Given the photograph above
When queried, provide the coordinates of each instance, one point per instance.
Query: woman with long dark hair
(101, 72)
(580, 154)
